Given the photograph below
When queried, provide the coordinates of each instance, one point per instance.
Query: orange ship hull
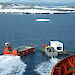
(15, 53)
(31, 50)
(65, 67)
(23, 50)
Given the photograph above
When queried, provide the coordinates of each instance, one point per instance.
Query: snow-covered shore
(34, 9)
(28, 11)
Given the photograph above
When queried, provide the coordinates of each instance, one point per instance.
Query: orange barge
(20, 51)
(66, 66)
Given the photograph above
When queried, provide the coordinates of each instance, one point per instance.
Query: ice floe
(46, 67)
(11, 65)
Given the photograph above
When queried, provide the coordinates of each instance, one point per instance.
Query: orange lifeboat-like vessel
(20, 51)
(66, 66)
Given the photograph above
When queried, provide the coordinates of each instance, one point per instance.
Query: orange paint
(65, 67)
(8, 50)
(14, 52)
(26, 51)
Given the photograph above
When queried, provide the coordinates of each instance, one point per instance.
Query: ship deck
(23, 48)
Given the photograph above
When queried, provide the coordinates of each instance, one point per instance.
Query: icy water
(24, 30)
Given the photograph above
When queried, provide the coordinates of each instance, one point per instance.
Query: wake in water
(11, 65)
(46, 67)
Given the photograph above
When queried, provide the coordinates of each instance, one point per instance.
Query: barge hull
(20, 51)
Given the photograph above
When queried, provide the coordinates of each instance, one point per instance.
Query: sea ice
(46, 67)
(11, 65)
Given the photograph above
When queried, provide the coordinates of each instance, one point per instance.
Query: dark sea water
(24, 30)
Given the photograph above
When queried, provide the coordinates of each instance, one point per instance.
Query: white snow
(46, 67)
(33, 11)
(11, 65)
(63, 8)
